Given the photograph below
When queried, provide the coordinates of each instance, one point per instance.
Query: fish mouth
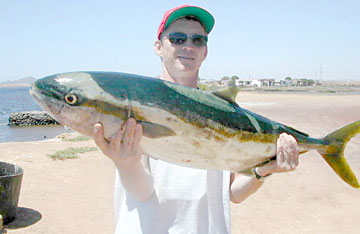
(51, 105)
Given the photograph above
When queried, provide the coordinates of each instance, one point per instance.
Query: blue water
(18, 99)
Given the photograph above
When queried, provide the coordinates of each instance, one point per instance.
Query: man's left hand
(287, 156)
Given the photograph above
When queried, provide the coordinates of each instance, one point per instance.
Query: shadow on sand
(24, 217)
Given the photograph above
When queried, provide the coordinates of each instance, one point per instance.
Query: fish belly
(208, 154)
(203, 148)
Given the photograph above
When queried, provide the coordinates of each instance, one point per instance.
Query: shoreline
(21, 134)
(15, 85)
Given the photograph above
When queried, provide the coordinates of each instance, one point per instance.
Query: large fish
(181, 125)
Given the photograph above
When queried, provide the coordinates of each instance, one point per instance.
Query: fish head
(72, 99)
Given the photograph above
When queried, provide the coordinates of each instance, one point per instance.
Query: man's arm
(125, 151)
(287, 159)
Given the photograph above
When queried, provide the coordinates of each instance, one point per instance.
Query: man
(152, 196)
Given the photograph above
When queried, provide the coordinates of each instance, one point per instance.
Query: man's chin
(185, 66)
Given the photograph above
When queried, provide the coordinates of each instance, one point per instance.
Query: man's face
(182, 60)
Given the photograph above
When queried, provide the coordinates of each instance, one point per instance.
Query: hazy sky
(253, 38)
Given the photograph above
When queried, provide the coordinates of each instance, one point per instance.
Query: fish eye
(70, 98)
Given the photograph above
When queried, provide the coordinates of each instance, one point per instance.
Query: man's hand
(287, 159)
(287, 156)
(124, 147)
(125, 151)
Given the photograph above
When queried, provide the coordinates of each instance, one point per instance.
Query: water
(18, 99)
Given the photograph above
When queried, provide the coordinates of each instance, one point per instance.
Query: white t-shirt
(186, 201)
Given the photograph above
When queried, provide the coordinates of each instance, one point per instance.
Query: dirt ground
(76, 196)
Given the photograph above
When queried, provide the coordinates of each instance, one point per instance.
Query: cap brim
(204, 16)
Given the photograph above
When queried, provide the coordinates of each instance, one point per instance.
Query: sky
(251, 38)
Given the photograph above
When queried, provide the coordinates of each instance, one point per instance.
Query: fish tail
(334, 152)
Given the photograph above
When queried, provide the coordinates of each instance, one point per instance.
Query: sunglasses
(178, 38)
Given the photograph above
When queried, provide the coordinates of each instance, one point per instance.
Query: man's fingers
(295, 153)
(98, 135)
(137, 137)
(123, 148)
(288, 152)
(280, 151)
(117, 140)
(291, 151)
(128, 137)
(129, 132)
(297, 158)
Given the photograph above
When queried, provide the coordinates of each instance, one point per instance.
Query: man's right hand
(125, 151)
(124, 147)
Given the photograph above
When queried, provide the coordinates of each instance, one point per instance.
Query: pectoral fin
(153, 130)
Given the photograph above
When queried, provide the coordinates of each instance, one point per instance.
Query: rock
(31, 118)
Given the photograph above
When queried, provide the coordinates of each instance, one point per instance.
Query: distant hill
(26, 81)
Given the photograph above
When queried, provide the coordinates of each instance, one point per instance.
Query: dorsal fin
(228, 94)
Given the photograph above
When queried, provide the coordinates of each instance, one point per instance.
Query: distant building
(255, 83)
(279, 83)
(267, 82)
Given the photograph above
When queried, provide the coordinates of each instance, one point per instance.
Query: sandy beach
(76, 195)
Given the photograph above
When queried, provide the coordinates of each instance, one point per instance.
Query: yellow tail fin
(334, 153)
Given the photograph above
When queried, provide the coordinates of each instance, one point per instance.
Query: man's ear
(158, 48)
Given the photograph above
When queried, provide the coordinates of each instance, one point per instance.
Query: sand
(76, 196)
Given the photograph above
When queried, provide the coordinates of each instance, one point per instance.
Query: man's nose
(189, 44)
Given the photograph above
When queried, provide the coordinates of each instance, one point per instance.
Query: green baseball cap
(206, 19)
